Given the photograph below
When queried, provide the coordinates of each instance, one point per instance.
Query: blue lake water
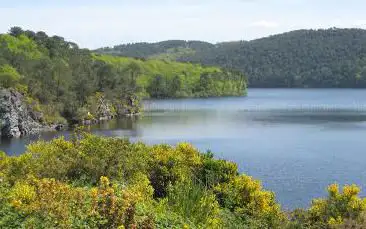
(297, 141)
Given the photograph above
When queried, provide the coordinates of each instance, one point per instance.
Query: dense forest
(302, 58)
(98, 182)
(170, 50)
(64, 81)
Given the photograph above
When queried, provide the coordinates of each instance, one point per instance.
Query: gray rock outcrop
(104, 111)
(16, 118)
(129, 106)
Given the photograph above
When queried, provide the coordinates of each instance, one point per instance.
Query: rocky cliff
(100, 109)
(16, 118)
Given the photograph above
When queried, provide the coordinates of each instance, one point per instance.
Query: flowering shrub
(98, 182)
(245, 197)
(338, 206)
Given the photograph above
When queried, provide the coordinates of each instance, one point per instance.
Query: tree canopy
(63, 78)
(303, 58)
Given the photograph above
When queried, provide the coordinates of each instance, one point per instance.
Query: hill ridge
(301, 58)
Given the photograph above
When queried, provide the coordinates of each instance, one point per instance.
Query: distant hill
(170, 50)
(301, 58)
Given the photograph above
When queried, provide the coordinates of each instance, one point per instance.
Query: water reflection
(295, 141)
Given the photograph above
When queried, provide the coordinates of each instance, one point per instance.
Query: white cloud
(265, 24)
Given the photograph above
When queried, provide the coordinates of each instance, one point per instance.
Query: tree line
(302, 58)
(64, 80)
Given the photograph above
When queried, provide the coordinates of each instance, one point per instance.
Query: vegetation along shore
(99, 182)
(62, 83)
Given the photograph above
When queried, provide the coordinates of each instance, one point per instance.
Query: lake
(297, 141)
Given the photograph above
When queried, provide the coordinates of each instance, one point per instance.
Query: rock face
(129, 106)
(104, 111)
(16, 118)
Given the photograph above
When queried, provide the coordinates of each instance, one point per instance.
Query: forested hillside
(172, 49)
(303, 58)
(66, 82)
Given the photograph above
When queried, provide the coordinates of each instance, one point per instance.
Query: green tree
(301, 58)
(175, 86)
(158, 87)
(16, 31)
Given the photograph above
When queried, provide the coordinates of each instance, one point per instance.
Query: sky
(100, 23)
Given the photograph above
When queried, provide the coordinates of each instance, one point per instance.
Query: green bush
(9, 76)
(338, 207)
(214, 171)
(245, 197)
(194, 204)
(99, 182)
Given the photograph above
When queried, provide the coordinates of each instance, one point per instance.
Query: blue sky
(95, 23)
